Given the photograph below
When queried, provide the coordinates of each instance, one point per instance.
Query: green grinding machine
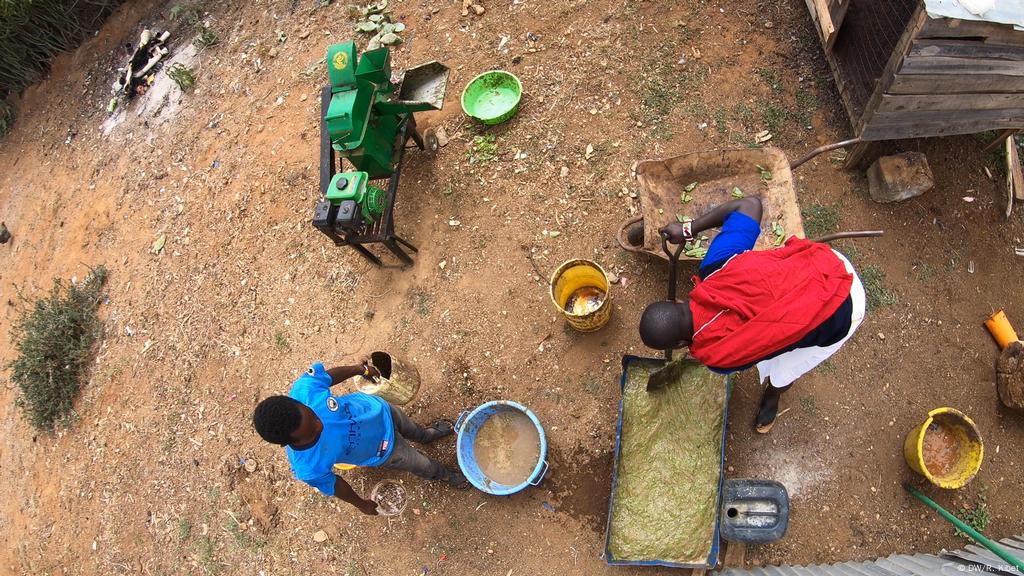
(367, 118)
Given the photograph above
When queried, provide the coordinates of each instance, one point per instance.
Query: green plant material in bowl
(492, 97)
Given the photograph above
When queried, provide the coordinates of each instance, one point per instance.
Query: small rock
(442, 264)
(304, 34)
(272, 53)
(320, 536)
(899, 177)
(881, 336)
(250, 465)
(589, 153)
(5, 234)
(564, 171)
(453, 223)
(442, 137)
(478, 9)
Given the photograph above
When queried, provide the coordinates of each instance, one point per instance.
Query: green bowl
(492, 97)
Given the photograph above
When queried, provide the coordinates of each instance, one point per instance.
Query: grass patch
(206, 37)
(874, 284)
(205, 556)
(774, 116)
(976, 516)
(6, 118)
(664, 88)
(772, 77)
(186, 12)
(809, 406)
(182, 76)
(184, 529)
(827, 367)
(820, 220)
(421, 301)
(242, 539)
(482, 149)
(54, 338)
(720, 122)
(281, 341)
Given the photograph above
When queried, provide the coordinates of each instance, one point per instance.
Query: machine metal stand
(383, 229)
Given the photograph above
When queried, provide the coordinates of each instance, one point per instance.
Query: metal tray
(712, 559)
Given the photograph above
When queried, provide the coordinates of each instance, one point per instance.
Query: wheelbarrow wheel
(430, 144)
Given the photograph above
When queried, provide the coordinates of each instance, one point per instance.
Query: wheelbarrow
(705, 180)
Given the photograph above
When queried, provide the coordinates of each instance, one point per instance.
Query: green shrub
(54, 337)
(33, 31)
(6, 118)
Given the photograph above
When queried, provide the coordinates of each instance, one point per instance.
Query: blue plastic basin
(469, 424)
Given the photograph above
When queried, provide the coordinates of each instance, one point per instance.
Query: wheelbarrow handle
(853, 234)
(821, 150)
(673, 265)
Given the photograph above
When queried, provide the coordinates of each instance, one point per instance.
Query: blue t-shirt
(739, 233)
(357, 430)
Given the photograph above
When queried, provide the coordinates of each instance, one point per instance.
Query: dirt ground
(246, 294)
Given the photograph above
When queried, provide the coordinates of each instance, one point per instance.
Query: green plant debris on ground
(820, 220)
(182, 76)
(720, 120)
(874, 284)
(775, 116)
(827, 367)
(482, 149)
(662, 89)
(54, 338)
(976, 516)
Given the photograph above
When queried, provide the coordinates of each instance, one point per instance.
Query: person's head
(665, 325)
(283, 420)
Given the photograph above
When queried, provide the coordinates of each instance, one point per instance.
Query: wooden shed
(903, 73)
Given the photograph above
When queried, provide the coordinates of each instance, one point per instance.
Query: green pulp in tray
(666, 495)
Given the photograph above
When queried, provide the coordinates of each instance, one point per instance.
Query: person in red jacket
(784, 310)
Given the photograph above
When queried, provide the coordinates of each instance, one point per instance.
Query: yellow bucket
(1001, 330)
(585, 284)
(950, 444)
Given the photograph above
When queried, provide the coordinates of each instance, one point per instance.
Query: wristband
(688, 229)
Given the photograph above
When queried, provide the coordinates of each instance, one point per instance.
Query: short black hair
(661, 326)
(276, 418)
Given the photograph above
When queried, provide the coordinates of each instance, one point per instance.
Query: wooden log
(967, 49)
(949, 102)
(952, 65)
(955, 84)
(985, 31)
(837, 9)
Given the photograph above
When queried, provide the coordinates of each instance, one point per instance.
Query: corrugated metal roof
(972, 558)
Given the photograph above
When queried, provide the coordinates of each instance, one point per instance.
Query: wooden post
(860, 155)
(735, 555)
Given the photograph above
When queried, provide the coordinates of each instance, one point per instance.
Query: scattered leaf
(158, 244)
(554, 234)
(736, 192)
(690, 186)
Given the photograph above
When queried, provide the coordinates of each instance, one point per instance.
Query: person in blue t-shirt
(319, 430)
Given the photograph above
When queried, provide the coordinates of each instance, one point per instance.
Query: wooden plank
(999, 141)
(894, 129)
(837, 9)
(950, 65)
(735, 555)
(1015, 174)
(967, 49)
(1007, 114)
(825, 27)
(954, 84)
(950, 102)
(985, 31)
(888, 75)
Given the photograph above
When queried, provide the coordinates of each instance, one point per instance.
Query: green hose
(963, 527)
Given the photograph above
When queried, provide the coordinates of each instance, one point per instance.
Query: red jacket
(763, 301)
